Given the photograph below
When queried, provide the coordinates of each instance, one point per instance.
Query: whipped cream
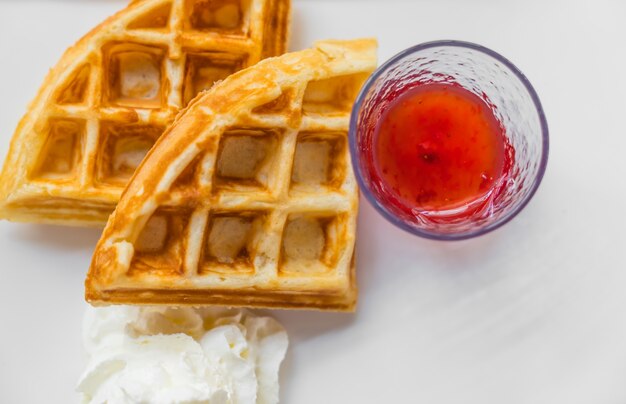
(180, 355)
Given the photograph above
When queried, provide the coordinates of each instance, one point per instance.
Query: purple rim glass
(357, 163)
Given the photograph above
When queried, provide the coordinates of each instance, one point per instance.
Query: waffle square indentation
(231, 242)
(310, 243)
(61, 154)
(135, 76)
(74, 90)
(319, 160)
(125, 146)
(159, 245)
(202, 70)
(245, 159)
(226, 16)
(332, 96)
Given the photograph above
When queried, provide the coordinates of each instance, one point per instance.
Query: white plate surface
(532, 313)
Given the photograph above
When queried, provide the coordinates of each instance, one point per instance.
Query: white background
(532, 313)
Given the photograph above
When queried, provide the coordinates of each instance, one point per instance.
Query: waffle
(113, 93)
(249, 198)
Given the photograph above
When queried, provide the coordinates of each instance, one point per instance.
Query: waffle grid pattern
(309, 206)
(110, 105)
(259, 206)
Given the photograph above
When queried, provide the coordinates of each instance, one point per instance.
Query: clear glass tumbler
(505, 90)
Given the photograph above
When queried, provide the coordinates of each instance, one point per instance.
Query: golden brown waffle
(113, 93)
(249, 198)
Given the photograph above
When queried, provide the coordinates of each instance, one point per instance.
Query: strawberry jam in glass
(448, 140)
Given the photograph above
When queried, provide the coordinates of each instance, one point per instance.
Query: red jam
(438, 147)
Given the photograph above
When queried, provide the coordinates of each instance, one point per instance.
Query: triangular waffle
(113, 94)
(249, 198)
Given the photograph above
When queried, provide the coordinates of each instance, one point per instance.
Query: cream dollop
(180, 355)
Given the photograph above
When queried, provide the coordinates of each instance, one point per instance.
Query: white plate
(533, 313)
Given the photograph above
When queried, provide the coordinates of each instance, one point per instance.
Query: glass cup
(512, 100)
